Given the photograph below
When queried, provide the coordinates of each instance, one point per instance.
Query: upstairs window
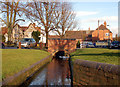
(107, 34)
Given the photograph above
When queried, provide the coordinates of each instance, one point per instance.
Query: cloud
(105, 18)
(85, 13)
(114, 29)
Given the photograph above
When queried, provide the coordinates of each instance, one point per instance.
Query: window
(107, 34)
(15, 35)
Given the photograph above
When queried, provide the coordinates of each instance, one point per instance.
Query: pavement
(10, 48)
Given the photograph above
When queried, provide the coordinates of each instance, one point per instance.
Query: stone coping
(114, 69)
(61, 39)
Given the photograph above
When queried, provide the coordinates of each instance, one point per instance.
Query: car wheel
(29, 46)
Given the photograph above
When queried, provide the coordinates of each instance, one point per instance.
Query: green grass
(15, 60)
(109, 56)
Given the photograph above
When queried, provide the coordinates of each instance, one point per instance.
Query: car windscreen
(25, 39)
(32, 40)
(115, 42)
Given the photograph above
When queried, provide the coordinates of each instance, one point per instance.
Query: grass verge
(102, 55)
(15, 60)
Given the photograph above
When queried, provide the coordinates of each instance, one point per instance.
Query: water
(57, 72)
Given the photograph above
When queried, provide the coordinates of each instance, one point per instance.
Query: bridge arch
(57, 44)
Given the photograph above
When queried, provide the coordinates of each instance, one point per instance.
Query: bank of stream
(57, 72)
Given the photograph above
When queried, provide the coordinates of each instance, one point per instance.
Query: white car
(27, 42)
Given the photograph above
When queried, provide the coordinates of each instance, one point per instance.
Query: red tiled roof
(102, 27)
(23, 28)
(38, 28)
(77, 34)
(4, 29)
(53, 36)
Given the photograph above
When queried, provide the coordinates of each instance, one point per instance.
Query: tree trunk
(9, 36)
(46, 40)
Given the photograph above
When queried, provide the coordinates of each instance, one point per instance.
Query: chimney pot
(105, 24)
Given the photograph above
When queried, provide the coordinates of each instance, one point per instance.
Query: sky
(88, 14)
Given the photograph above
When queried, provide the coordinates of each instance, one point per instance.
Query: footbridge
(56, 44)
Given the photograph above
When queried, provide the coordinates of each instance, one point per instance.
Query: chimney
(89, 28)
(105, 24)
(34, 24)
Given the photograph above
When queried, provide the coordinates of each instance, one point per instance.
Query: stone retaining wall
(21, 76)
(93, 73)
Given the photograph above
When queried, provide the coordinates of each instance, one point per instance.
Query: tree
(116, 37)
(3, 38)
(36, 35)
(78, 44)
(42, 13)
(65, 19)
(52, 16)
(119, 38)
(11, 11)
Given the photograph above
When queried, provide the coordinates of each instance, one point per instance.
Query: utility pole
(98, 29)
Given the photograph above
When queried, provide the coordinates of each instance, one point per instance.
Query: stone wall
(93, 73)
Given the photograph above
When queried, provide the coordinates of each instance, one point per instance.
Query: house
(20, 32)
(101, 33)
(79, 35)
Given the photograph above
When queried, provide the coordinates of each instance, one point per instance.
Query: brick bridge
(57, 44)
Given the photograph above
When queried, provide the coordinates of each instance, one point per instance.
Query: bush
(3, 38)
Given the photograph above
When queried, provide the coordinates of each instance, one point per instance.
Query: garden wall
(21, 76)
(93, 73)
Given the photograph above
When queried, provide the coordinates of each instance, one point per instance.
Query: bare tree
(42, 13)
(52, 16)
(11, 11)
(65, 19)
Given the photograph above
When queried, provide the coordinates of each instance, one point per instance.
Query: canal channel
(57, 72)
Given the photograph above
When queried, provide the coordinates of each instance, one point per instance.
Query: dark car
(115, 44)
(3, 45)
(90, 45)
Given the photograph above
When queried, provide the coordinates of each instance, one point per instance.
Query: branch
(3, 21)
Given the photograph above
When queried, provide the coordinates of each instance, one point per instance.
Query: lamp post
(98, 30)
(109, 40)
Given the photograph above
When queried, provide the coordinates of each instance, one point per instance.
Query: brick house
(20, 32)
(101, 33)
(81, 35)
(69, 41)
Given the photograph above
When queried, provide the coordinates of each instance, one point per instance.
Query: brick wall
(61, 45)
(93, 73)
(102, 35)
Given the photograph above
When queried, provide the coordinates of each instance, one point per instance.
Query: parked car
(102, 44)
(115, 44)
(27, 42)
(3, 45)
(90, 45)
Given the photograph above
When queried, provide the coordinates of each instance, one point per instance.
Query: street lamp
(109, 40)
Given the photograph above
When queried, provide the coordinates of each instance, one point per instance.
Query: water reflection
(55, 73)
